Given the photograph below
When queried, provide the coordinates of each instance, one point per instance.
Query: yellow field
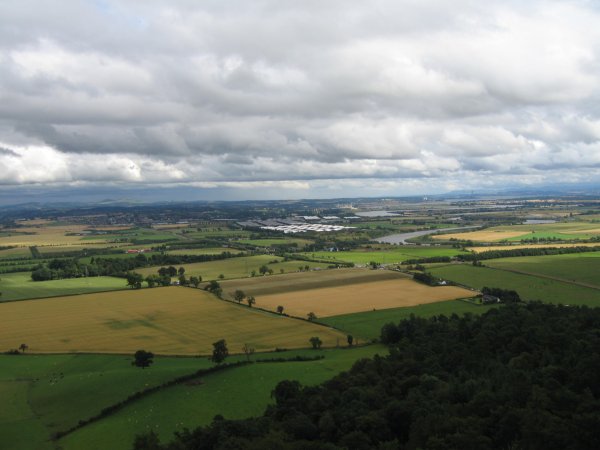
(513, 247)
(482, 236)
(332, 301)
(171, 320)
(52, 235)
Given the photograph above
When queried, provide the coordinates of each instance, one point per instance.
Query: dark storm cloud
(222, 92)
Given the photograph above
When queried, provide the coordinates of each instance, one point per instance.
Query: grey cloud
(226, 91)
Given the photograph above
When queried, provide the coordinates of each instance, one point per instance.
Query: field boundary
(115, 407)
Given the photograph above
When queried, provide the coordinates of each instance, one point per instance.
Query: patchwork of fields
(515, 233)
(393, 255)
(168, 320)
(237, 267)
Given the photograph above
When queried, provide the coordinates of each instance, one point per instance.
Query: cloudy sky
(278, 99)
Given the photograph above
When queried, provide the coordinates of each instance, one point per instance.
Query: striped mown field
(171, 320)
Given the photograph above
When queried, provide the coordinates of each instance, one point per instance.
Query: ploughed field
(171, 320)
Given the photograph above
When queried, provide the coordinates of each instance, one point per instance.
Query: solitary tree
(280, 309)
(195, 281)
(263, 269)
(181, 271)
(315, 342)
(248, 351)
(239, 295)
(142, 359)
(23, 347)
(171, 271)
(312, 316)
(251, 300)
(220, 351)
(182, 280)
(151, 280)
(350, 339)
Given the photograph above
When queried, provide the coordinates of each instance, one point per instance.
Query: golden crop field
(518, 246)
(171, 320)
(345, 299)
(46, 235)
(297, 281)
(481, 236)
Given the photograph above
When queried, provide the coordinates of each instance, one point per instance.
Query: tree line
(57, 269)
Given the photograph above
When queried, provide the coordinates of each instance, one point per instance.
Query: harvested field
(481, 236)
(50, 235)
(359, 297)
(516, 247)
(168, 320)
(300, 281)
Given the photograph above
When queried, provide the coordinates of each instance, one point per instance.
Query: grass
(237, 393)
(368, 324)
(203, 251)
(236, 267)
(43, 394)
(331, 301)
(529, 287)
(19, 286)
(394, 255)
(271, 242)
(16, 252)
(576, 267)
(171, 320)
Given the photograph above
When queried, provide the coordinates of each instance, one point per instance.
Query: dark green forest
(522, 376)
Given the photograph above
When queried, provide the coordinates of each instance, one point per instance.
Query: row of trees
(57, 269)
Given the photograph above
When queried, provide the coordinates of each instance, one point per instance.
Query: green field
(394, 255)
(367, 325)
(237, 267)
(19, 286)
(203, 251)
(16, 252)
(43, 394)
(577, 267)
(529, 287)
(271, 242)
(236, 393)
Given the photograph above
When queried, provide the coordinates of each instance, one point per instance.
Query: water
(401, 238)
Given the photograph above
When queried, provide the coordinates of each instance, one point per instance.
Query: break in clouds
(421, 95)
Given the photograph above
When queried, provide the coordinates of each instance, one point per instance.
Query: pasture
(275, 242)
(393, 255)
(19, 286)
(203, 251)
(529, 287)
(171, 320)
(575, 267)
(15, 252)
(237, 393)
(367, 325)
(358, 297)
(237, 267)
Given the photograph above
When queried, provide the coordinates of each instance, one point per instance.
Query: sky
(286, 99)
